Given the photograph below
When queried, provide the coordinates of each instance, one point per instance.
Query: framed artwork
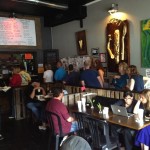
(105, 71)
(145, 43)
(81, 42)
(102, 57)
(94, 51)
(117, 43)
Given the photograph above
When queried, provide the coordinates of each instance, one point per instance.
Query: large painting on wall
(117, 46)
(145, 43)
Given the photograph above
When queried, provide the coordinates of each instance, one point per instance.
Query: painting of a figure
(117, 46)
(145, 43)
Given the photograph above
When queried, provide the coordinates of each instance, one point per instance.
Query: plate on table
(40, 97)
(47, 96)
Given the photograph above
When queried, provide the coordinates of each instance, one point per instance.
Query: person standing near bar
(60, 73)
(90, 77)
(15, 80)
(48, 74)
(25, 76)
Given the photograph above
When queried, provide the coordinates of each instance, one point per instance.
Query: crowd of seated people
(127, 79)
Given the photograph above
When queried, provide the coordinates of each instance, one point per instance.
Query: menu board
(14, 31)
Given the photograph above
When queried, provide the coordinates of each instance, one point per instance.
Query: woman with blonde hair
(143, 136)
(120, 81)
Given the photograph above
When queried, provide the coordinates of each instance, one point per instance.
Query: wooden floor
(22, 135)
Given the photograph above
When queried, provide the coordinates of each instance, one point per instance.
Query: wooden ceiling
(52, 16)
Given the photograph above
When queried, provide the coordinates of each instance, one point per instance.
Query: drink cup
(140, 114)
(106, 110)
(79, 105)
(83, 102)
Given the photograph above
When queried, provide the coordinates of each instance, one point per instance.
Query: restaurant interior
(34, 33)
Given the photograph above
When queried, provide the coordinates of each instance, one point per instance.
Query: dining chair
(83, 130)
(101, 139)
(58, 136)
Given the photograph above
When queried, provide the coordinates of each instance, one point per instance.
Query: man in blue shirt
(60, 73)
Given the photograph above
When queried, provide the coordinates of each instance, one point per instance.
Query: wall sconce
(113, 9)
(13, 15)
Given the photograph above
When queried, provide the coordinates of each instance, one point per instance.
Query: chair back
(99, 130)
(50, 116)
(82, 124)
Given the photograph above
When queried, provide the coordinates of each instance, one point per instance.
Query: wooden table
(130, 122)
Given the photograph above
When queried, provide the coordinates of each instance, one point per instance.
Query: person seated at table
(48, 74)
(90, 77)
(129, 102)
(32, 103)
(136, 82)
(73, 77)
(120, 81)
(15, 80)
(56, 106)
(143, 136)
(25, 76)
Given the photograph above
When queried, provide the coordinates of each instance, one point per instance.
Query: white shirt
(48, 76)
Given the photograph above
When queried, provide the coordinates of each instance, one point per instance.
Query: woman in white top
(48, 74)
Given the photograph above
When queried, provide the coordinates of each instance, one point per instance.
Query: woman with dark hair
(136, 80)
(100, 70)
(73, 77)
(129, 103)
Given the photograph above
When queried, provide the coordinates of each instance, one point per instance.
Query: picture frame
(81, 42)
(102, 57)
(117, 43)
(94, 51)
(105, 71)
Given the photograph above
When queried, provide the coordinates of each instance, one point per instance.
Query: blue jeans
(37, 109)
(74, 126)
